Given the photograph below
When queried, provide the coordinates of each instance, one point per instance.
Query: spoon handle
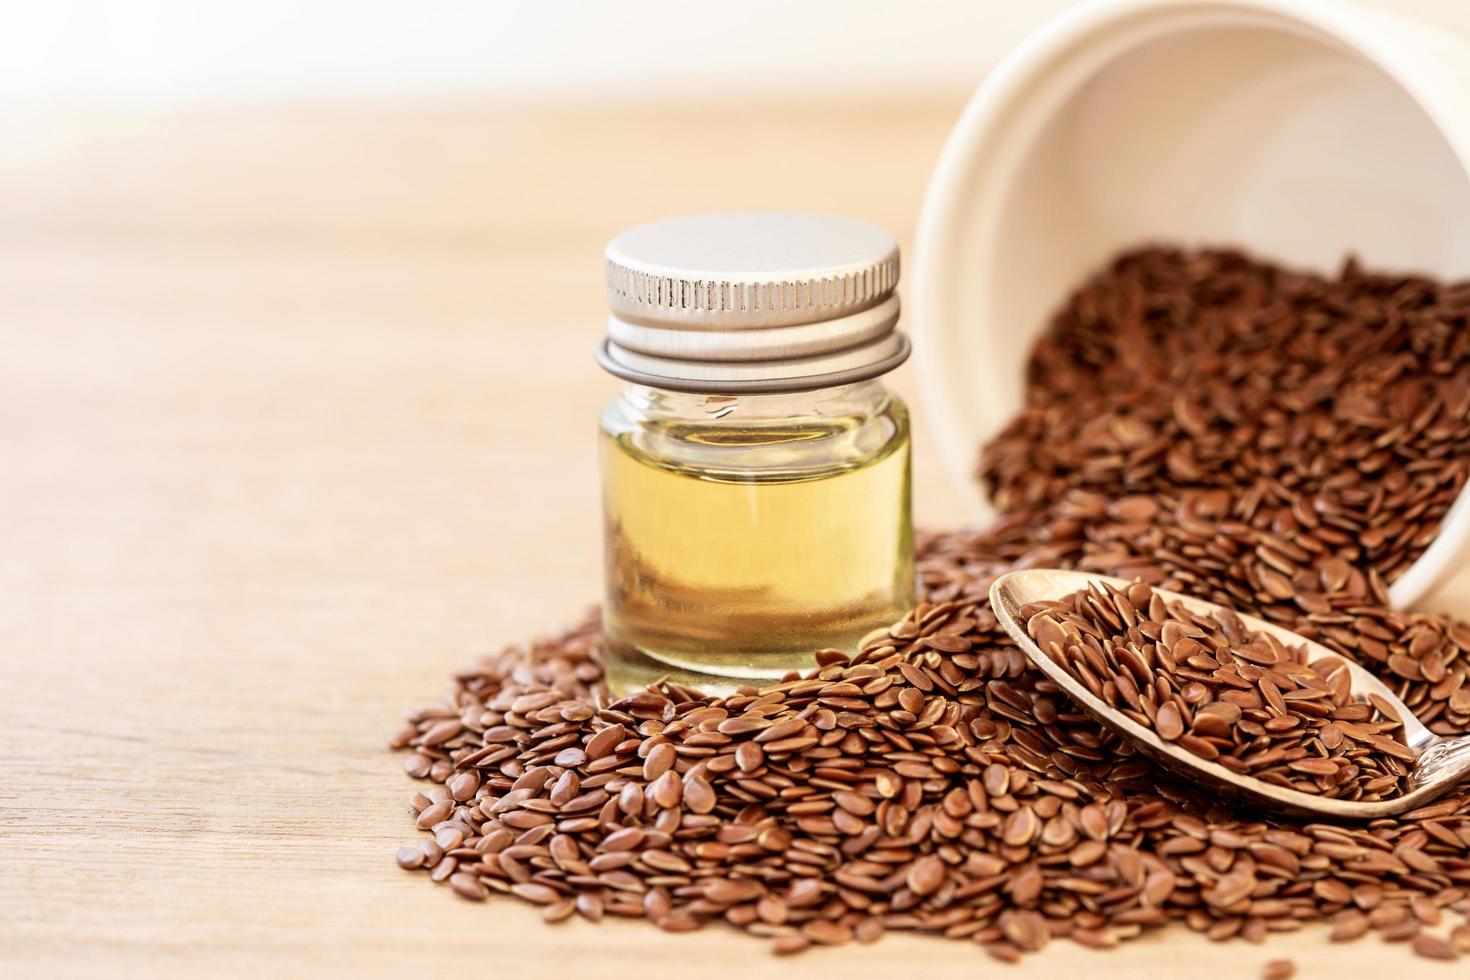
(1443, 763)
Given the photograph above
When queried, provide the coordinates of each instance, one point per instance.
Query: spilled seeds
(933, 783)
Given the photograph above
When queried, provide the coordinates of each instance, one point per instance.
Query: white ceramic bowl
(1300, 130)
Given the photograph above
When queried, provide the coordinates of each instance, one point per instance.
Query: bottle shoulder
(800, 436)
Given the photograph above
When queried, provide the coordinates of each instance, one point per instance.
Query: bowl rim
(1354, 29)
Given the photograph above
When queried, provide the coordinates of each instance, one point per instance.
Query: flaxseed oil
(736, 549)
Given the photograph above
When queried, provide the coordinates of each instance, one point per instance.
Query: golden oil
(744, 533)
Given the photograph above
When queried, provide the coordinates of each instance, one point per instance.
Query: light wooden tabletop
(297, 409)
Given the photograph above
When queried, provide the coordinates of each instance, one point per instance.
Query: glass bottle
(756, 487)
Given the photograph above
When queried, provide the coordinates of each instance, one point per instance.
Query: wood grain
(297, 408)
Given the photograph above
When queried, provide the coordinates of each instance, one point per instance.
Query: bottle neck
(860, 398)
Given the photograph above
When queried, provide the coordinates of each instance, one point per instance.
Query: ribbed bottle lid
(752, 301)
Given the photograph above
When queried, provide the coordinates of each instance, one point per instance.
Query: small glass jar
(756, 486)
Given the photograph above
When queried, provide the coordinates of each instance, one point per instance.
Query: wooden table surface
(297, 408)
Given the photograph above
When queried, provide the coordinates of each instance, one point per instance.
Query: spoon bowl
(1440, 762)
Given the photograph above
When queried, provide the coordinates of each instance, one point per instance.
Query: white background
(526, 51)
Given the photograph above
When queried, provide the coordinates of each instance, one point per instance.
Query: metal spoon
(1440, 763)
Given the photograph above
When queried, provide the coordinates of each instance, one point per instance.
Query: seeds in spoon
(1167, 721)
(1248, 702)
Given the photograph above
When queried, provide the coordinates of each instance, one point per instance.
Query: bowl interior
(1196, 123)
